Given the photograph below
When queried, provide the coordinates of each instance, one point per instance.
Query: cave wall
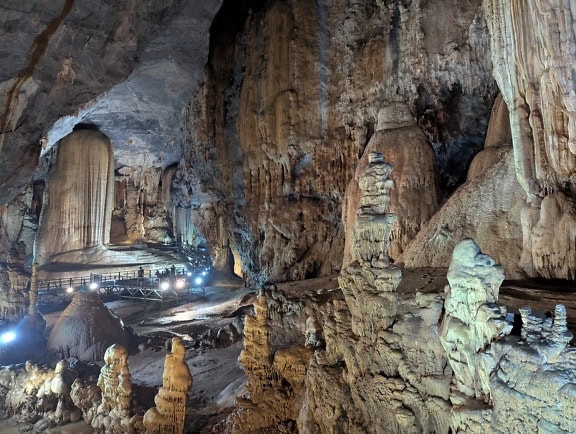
(291, 99)
(532, 49)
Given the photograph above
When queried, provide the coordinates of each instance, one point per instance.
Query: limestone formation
(85, 329)
(415, 196)
(488, 209)
(501, 381)
(37, 392)
(290, 101)
(472, 319)
(371, 377)
(497, 143)
(79, 198)
(532, 60)
(113, 414)
(169, 415)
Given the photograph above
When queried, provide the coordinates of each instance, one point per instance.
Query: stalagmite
(472, 319)
(113, 415)
(170, 412)
(85, 329)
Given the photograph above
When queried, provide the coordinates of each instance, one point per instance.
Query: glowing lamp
(180, 283)
(198, 281)
(204, 273)
(164, 286)
(189, 274)
(7, 337)
(69, 290)
(93, 286)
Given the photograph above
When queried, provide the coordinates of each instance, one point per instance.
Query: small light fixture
(164, 285)
(198, 281)
(180, 283)
(7, 337)
(93, 286)
(69, 290)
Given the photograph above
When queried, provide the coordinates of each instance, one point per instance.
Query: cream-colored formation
(36, 392)
(487, 208)
(533, 55)
(523, 383)
(107, 405)
(415, 196)
(78, 198)
(169, 415)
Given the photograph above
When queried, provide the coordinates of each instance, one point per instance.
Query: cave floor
(206, 319)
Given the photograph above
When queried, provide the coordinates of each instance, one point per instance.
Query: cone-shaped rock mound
(85, 329)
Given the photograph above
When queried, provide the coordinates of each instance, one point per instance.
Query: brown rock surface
(290, 101)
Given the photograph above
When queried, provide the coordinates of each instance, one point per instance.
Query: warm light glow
(180, 283)
(7, 337)
(164, 285)
(93, 286)
(69, 290)
(198, 281)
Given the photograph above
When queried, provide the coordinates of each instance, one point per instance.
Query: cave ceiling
(127, 68)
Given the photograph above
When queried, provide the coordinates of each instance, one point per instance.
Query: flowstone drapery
(170, 412)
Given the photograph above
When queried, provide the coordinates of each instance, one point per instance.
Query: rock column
(79, 198)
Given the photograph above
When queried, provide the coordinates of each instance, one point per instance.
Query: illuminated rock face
(486, 208)
(35, 392)
(79, 197)
(472, 319)
(517, 384)
(170, 412)
(287, 111)
(533, 61)
(85, 329)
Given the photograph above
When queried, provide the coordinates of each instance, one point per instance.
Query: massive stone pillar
(78, 198)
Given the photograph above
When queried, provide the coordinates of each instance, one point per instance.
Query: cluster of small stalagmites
(170, 412)
(39, 394)
(550, 336)
(371, 233)
(472, 319)
(110, 410)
